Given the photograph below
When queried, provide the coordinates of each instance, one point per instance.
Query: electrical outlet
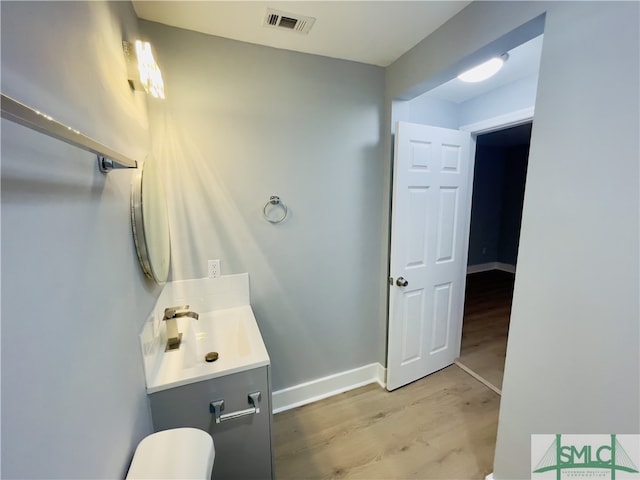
(214, 268)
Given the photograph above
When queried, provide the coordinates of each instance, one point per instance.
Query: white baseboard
(489, 477)
(325, 387)
(485, 267)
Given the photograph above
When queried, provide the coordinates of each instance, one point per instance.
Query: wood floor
(440, 427)
(485, 327)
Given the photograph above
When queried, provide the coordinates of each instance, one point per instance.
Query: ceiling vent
(288, 21)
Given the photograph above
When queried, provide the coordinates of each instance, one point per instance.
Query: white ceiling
(373, 32)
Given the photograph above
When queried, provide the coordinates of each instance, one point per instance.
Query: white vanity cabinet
(243, 438)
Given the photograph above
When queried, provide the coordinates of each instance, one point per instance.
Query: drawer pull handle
(217, 406)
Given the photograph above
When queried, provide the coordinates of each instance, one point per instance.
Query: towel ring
(275, 200)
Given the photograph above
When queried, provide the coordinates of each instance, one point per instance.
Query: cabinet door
(242, 445)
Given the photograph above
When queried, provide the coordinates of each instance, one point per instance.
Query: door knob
(401, 282)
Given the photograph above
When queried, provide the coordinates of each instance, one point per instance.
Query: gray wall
(242, 122)
(579, 243)
(572, 358)
(509, 98)
(427, 110)
(73, 295)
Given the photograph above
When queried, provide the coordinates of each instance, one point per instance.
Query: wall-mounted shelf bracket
(105, 165)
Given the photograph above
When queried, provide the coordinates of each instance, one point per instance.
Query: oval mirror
(150, 222)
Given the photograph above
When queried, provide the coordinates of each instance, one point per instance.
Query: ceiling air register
(288, 21)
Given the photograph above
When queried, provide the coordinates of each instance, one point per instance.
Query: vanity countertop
(239, 346)
(231, 331)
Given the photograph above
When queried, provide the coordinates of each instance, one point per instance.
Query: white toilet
(179, 453)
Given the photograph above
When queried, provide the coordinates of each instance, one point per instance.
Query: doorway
(496, 213)
(425, 319)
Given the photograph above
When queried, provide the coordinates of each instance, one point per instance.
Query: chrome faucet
(170, 315)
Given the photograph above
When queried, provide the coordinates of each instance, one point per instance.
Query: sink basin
(233, 333)
(225, 332)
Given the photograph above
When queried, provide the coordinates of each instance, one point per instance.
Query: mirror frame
(149, 218)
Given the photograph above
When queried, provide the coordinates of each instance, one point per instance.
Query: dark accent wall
(496, 211)
(486, 206)
(515, 173)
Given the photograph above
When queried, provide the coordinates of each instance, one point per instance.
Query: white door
(429, 242)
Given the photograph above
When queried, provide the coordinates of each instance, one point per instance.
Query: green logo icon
(586, 457)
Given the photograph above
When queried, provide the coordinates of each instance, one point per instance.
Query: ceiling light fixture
(484, 70)
(143, 71)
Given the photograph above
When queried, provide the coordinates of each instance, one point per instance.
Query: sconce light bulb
(150, 75)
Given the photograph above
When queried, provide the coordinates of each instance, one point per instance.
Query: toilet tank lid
(185, 453)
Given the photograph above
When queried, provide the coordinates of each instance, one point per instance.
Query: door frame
(499, 122)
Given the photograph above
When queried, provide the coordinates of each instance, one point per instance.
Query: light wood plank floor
(440, 427)
(487, 310)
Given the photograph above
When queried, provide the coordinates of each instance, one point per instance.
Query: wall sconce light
(484, 70)
(142, 70)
